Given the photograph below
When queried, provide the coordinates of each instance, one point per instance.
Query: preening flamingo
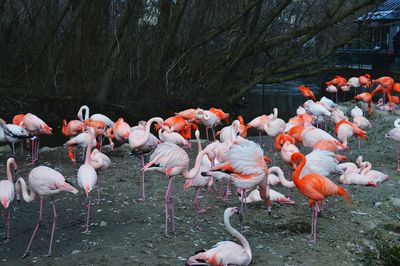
(95, 117)
(99, 160)
(307, 92)
(7, 194)
(43, 181)
(83, 140)
(275, 196)
(72, 129)
(225, 252)
(316, 188)
(208, 119)
(258, 123)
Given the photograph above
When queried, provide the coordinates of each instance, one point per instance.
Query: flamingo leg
(203, 210)
(208, 140)
(53, 229)
(213, 132)
(13, 148)
(316, 208)
(398, 158)
(98, 192)
(228, 191)
(36, 228)
(142, 181)
(171, 201)
(336, 97)
(166, 197)
(37, 149)
(87, 213)
(242, 208)
(8, 223)
(196, 200)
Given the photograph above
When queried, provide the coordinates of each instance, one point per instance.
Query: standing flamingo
(316, 188)
(307, 92)
(208, 119)
(7, 194)
(87, 179)
(226, 252)
(172, 160)
(141, 141)
(13, 134)
(94, 117)
(43, 181)
(83, 140)
(258, 123)
(71, 129)
(35, 126)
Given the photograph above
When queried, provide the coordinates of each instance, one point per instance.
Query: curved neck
(22, 185)
(281, 176)
(296, 173)
(243, 241)
(367, 168)
(146, 135)
(199, 148)
(196, 168)
(95, 161)
(397, 123)
(11, 161)
(80, 115)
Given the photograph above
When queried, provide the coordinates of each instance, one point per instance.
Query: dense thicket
(145, 57)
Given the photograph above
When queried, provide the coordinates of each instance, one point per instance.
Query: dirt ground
(125, 231)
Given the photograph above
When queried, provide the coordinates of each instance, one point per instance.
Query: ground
(125, 231)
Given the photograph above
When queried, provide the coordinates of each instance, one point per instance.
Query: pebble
(395, 202)
(74, 252)
(103, 223)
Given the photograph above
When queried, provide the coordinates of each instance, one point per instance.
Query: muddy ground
(125, 231)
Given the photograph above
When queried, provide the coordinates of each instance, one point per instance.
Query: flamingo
(394, 134)
(311, 135)
(35, 126)
(225, 252)
(338, 81)
(7, 194)
(87, 180)
(71, 129)
(172, 160)
(94, 117)
(317, 110)
(230, 133)
(121, 130)
(100, 130)
(337, 116)
(83, 140)
(199, 181)
(172, 137)
(220, 114)
(366, 97)
(208, 119)
(316, 188)
(187, 114)
(328, 104)
(141, 141)
(321, 162)
(99, 160)
(374, 175)
(246, 168)
(43, 181)
(307, 92)
(258, 123)
(345, 130)
(13, 134)
(387, 83)
(332, 89)
(275, 196)
(274, 126)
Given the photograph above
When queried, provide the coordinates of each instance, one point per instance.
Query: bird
(328, 104)
(246, 168)
(316, 188)
(321, 162)
(187, 114)
(71, 129)
(317, 110)
(337, 115)
(87, 180)
(83, 140)
(225, 252)
(332, 89)
(356, 111)
(275, 196)
(172, 137)
(7, 194)
(230, 133)
(94, 117)
(374, 175)
(258, 123)
(13, 134)
(141, 141)
(99, 160)
(43, 181)
(394, 134)
(346, 129)
(208, 119)
(35, 126)
(311, 135)
(121, 130)
(365, 97)
(307, 92)
(274, 126)
(171, 160)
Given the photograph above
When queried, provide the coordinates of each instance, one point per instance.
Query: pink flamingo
(275, 196)
(121, 130)
(172, 160)
(13, 134)
(141, 141)
(83, 140)
(94, 117)
(43, 181)
(172, 137)
(7, 194)
(99, 160)
(36, 127)
(226, 252)
(208, 119)
(258, 123)
(87, 179)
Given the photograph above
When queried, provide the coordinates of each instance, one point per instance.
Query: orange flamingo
(17, 119)
(307, 92)
(365, 97)
(71, 129)
(387, 83)
(220, 114)
(281, 139)
(316, 188)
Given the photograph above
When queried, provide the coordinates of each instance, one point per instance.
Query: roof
(388, 10)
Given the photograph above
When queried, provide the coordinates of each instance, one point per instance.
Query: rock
(395, 202)
(103, 223)
(74, 252)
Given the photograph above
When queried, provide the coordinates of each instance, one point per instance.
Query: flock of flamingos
(231, 159)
